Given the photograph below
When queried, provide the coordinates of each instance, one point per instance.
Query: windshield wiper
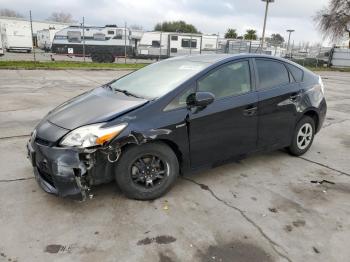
(125, 92)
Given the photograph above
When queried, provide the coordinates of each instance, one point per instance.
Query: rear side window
(296, 72)
(271, 74)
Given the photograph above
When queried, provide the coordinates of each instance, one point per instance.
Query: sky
(209, 16)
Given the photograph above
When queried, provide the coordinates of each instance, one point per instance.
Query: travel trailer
(1, 48)
(103, 44)
(164, 44)
(16, 37)
(45, 38)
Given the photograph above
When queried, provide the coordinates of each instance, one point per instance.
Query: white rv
(1, 48)
(16, 37)
(45, 38)
(164, 44)
(103, 44)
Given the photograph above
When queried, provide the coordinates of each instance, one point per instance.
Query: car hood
(98, 105)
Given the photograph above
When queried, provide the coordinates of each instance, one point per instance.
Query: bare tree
(334, 20)
(61, 17)
(9, 13)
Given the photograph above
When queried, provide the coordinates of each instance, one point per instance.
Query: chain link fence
(82, 43)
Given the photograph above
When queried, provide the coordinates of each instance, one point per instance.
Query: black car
(173, 117)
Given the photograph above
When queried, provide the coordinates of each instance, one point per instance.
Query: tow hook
(114, 155)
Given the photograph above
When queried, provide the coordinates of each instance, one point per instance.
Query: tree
(334, 20)
(61, 17)
(9, 13)
(275, 39)
(231, 33)
(176, 26)
(250, 35)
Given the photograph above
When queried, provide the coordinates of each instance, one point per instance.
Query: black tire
(126, 163)
(298, 148)
(110, 58)
(102, 57)
(97, 57)
(94, 57)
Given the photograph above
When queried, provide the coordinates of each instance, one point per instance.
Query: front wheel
(303, 136)
(146, 172)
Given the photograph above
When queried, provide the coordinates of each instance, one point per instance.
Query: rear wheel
(147, 172)
(303, 136)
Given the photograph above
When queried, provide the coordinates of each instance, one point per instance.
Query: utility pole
(31, 29)
(191, 44)
(84, 38)
(290, 31)
(160, 41)
(125, 43)
(266, 11)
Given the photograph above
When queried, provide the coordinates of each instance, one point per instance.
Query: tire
(97, 57)
(128, 175)
(102, 57)
(109, 58)
(302, 137)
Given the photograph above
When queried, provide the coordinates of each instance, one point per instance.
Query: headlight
(91, 135)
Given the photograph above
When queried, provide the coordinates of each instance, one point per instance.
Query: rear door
(278, 96)
(226, 128)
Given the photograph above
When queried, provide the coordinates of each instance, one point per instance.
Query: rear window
(296, 72)
(271, 74)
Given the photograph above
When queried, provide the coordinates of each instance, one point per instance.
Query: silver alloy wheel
(304, 136)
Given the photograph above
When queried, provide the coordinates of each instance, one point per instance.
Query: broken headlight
(91, 135)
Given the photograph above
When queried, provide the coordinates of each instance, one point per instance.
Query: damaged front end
(61, 171)
(70, 172)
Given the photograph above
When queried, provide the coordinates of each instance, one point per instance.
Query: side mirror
(200, 99)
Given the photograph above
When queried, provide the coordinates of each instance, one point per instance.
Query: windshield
(158, 79)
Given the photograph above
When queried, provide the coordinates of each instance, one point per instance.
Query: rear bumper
(59, 171)
(322, 114)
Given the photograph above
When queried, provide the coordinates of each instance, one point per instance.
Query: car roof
(215, 58)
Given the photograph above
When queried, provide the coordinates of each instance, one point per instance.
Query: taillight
(321, 84)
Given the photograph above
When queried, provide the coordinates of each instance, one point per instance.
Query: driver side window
(228, 80)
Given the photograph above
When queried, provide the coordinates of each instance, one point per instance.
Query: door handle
(250, 110)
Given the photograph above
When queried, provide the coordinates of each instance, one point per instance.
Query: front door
(227, 128)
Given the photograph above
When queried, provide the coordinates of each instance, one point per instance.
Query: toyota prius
(174, 117)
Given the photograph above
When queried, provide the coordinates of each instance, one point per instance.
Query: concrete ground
(263, 208)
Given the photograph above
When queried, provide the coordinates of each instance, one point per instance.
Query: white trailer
(17, 37)
(45, 38)
(103, 44)
(164, 44)
(1, 48)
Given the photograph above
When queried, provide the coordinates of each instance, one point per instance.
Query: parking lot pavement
(263, 208)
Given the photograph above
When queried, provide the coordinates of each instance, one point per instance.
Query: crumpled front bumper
(59, 171)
